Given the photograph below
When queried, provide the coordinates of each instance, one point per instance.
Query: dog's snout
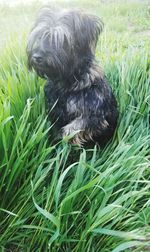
(37, 58)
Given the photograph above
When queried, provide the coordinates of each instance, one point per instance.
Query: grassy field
(60, 198)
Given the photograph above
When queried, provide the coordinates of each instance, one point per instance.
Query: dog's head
(61, 42)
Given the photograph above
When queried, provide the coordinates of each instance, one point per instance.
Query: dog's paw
(66, 131)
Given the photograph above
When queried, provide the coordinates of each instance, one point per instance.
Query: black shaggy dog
(61, 49)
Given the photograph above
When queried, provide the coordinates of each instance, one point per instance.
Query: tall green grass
(62, 198)
(56, 197)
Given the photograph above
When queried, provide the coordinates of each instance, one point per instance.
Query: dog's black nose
(36, 58)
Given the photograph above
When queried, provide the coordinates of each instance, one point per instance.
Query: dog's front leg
(73, 127)
(76, 128)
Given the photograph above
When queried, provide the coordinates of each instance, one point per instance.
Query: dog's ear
(87, 29)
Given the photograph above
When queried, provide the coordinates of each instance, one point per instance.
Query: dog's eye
(44, 44)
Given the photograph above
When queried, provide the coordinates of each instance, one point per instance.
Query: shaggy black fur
(61, 48)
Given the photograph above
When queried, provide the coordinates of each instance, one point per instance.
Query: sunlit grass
(56, 197)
